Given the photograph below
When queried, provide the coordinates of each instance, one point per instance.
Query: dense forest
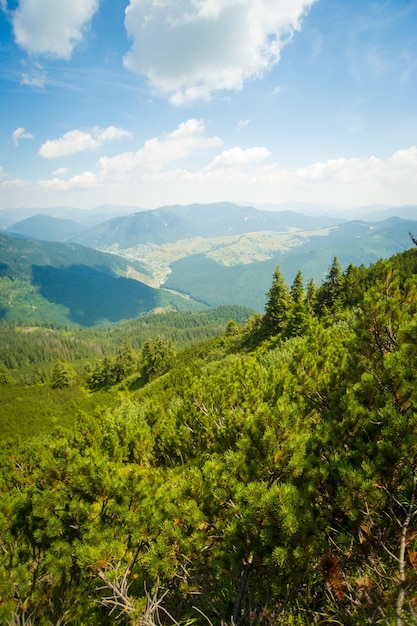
(263, 474)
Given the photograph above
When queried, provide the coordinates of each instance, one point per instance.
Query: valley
(177, 258)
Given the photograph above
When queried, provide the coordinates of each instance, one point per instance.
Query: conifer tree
(5, 377)
(156, 358)
(311, 293)
(124, 362)
(278, 306)
(62, 375)
(298, 315)
(330, 294)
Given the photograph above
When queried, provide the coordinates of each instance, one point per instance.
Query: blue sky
(153, 102)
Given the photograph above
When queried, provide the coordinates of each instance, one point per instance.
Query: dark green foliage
(37, 409)
(216, 285)
(157, 357)
(277, 308)
(5, 377)
(61, 376)
(255, 482)
(21, 345)
(19, 255)
(331, 293)
(111, 371)
(124, 362)
(299, 310)
(69, 284)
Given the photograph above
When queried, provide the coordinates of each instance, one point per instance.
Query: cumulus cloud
(237, 157)
(80, 140)
(86, 180)
(190, 165)
(20, 133)
(52, 27)
(188, 139)
(189, 48)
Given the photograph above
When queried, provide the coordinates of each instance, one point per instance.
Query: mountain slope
(70, 284)
(47, 228)
(173, 223)
(357, 242)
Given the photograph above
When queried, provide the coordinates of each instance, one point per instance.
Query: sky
(147, 103)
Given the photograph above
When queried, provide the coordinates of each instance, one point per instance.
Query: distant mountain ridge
(47, 228)
(173, 223)
(213, 254)
(122, 227)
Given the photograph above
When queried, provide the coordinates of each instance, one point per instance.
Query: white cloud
(86, 180)
(61, 171)
(189, 48)
(236, 157)
(37, 78)
(52, 27)
(80, 140)
(188, 139)
(189, 165)
(8, 183)
(147, 177)
(20, 133)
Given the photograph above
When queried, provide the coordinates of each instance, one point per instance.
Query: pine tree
(298, 316)
(61, 376)
(124, 362)
(156, 358)
(5, 377)
(330, 295)
(278, 306)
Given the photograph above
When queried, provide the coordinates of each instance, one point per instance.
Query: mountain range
(182, 257)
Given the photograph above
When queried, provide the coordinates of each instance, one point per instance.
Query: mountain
(224, 253)
(86, 217)
(173, 223)
(47, 228)
(380, 212)
(357, 242)
(71, 284)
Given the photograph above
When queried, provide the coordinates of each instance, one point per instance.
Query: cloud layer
(189, 165)
(51, 27)
(189, 48)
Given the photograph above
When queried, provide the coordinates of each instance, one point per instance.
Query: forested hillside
(69, 284)
(266, 476)
(215, 279)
